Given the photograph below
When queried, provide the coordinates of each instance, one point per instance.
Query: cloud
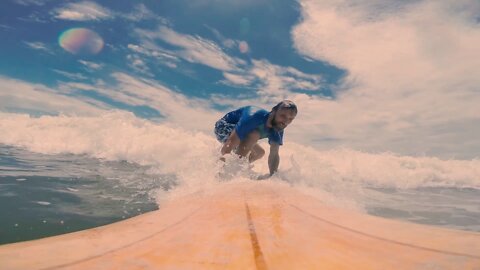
(226, 42)
(139, 65)
(271, 80)
(21, 97)
(40, 46)
(6, 27)
(278, 80)
(70, 75)
(177, 109)
(193, 49)
(222, 5)
(91, 11)
(83, 11)
(187, 112)
(91, 66)
(162, 56)
(141, 12)
(31, 2)
(36, 17)
(235, 79)
(413, 75)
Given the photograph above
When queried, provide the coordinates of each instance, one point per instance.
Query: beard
(275, 124)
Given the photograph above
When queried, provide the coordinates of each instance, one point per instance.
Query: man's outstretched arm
(273, 158)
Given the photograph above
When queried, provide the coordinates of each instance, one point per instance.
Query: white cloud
(36, 17)
(21, 97)
(70, 75)
(91, 66)
(31, 2)
(138, 49)
(238, 79)
(228, 5)
(226, 42)
(273, 80)
(92, 11)
(162, 56)
(170, 65)
(141, 12)
(6, 27)
(178, 110)
(193, 49)
(83, 11)
(138, 64)
(412, 84)
(279, 81)
(38, 46)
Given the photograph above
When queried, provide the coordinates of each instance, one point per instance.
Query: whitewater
(65, 173)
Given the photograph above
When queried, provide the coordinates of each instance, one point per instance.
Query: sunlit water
(63, 174)
(43, 195)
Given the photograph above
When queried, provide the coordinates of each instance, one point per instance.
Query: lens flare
(243, 47)
(244, 26)
(81, 41)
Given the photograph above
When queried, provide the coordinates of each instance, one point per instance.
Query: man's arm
(273, 158)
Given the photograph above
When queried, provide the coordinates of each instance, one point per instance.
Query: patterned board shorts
(223, 129)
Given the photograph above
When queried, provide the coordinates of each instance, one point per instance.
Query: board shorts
(223, 129)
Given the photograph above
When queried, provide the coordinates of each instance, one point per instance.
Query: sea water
(60, 174)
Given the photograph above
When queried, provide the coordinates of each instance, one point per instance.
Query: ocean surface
(60, 174)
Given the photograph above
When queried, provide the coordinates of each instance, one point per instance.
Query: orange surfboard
(250, 225)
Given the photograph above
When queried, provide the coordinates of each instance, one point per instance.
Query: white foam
(42, 203)
(380, 170)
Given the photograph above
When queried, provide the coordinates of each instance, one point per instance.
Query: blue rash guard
(244, 121)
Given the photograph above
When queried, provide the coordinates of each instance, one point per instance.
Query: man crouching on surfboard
(241, 129)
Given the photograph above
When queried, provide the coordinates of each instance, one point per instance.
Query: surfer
(240, 130)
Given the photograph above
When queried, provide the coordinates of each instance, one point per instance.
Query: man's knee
(258, 151)
(261, 152)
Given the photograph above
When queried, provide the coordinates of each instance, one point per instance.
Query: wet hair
(286, 104)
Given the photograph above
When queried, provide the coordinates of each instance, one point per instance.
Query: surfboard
(250, 225)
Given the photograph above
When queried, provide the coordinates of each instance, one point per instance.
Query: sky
(374, 76)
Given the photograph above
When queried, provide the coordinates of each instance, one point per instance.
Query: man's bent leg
(246, 145)
(231, 143)
(256, 153)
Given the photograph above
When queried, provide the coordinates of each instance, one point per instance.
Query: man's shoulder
(255, 111)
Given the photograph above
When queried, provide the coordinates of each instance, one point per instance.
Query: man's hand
(264, 176)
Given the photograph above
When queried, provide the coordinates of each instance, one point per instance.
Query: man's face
(282, 118)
